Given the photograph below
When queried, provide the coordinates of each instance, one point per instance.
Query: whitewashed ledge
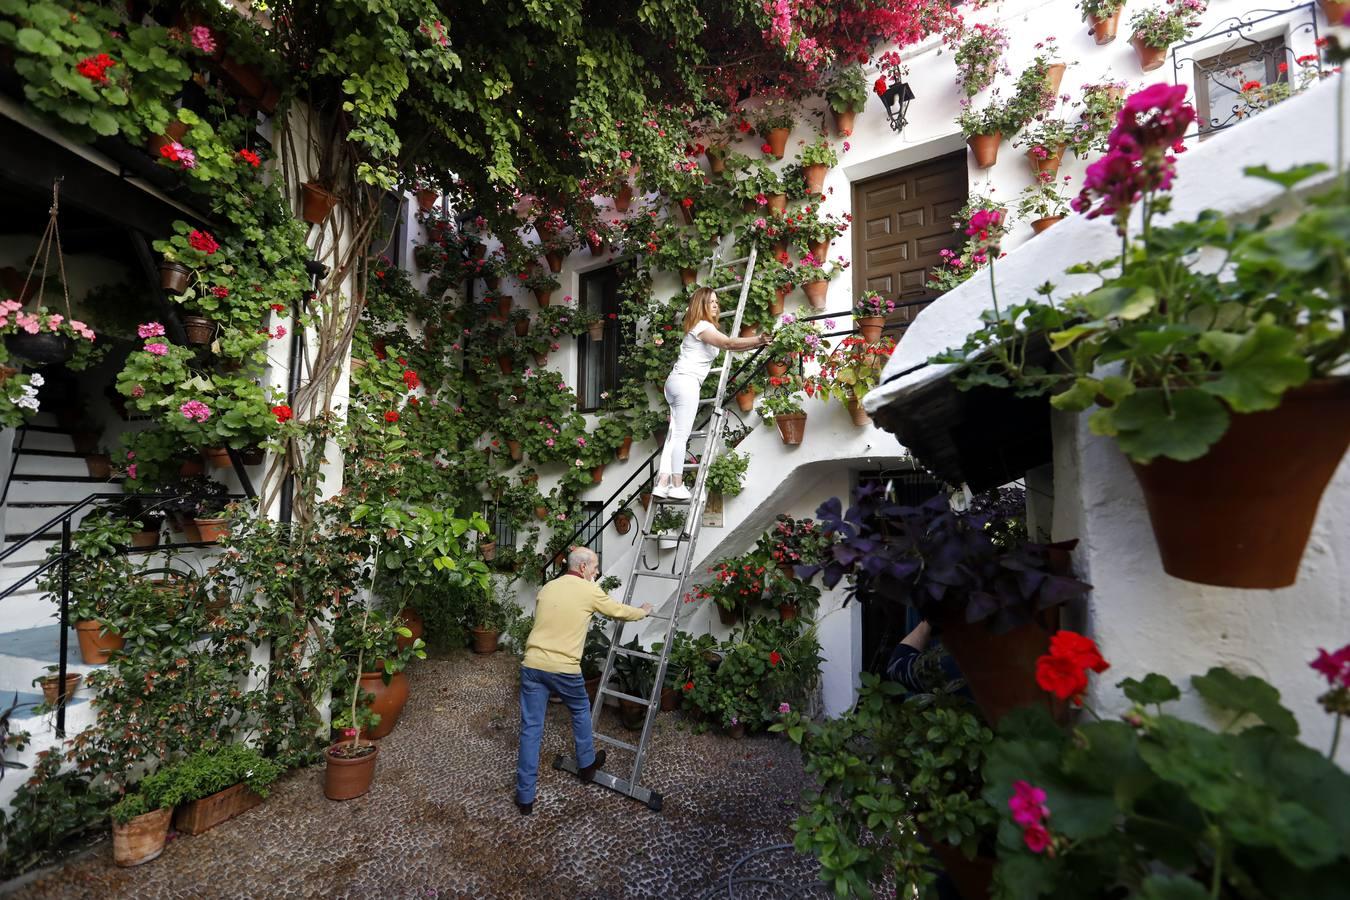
(1300, 130)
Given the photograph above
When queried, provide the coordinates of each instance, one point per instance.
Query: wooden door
(901, 222)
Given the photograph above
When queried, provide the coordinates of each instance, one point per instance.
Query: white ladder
(712, 435)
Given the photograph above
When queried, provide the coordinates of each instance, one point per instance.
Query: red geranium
(775, 658)
(687, 202)
(278, 308)
(203, 241)
(880, 86)
(95, 68)
(1081, 651)
(1063, 671)
(391, 416)
(765, 147)
(1251, 85)
(250, 157)
(688, 686)
(411, 380)
(283, 413)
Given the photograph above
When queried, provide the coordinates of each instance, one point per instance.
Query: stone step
(63, 490)
(22, 519)
(49, 464)
(47, 440)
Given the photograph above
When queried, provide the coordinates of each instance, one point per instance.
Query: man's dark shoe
(525, 808)
(588, 773)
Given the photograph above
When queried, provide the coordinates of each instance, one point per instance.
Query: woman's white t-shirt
(696, 357)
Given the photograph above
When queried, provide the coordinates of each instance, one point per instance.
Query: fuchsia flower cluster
(1334, 667)
(35, 322)
(1140, 153)
(1029, 810)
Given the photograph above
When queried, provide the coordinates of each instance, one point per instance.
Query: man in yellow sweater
(552, 665)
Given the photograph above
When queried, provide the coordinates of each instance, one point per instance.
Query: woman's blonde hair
(698, 309)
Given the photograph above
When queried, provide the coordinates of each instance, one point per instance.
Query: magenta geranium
(149, 330)
(195, 411)
(1029, 811)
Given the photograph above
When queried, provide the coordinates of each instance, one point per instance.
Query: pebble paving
(440, 822)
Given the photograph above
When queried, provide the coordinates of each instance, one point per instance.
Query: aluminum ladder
(712, 435)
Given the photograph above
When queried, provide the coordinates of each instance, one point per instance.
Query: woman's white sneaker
(678, 493)
(661, 491)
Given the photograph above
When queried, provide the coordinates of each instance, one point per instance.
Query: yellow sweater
(562, 615)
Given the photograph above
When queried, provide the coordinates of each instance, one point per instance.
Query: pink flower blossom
(131, 471)
(203, 40)
(784, 708)
(195, 411)
(1335, 667)
(1027, 803)
(156, 349)
(149, 330)
(1037, 838)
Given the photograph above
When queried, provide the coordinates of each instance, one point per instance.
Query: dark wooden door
(901, 222)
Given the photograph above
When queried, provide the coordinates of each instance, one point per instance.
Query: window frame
(1273, 51)
(612, 347)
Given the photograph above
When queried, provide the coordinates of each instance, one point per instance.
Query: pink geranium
(195, 411)
(149, 330)
(156, 349)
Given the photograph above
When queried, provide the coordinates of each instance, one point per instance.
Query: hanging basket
(198, 330)
(173, 277)
(318, 203)
(43, 349)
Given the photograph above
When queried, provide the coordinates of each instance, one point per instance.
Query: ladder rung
(706, 402)
(659, 616)
(669, 502)
(666, 575)
(736, 262)
(641, 654)
(692, 465)
(622, 696)
(696, 434)
(615, 742)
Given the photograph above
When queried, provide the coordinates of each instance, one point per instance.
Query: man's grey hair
(580, 557)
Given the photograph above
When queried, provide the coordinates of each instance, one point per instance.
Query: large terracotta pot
(871, 327)
(815, 293)
(1240, 515)
(985, 148)
(1039, 225)
(791, 427)
(1000, 669)
(212, 530)
(745, 400)
(777, 141)
(1049, 165)
(815, 177)
(1150, 58)
(142, 839)
(96, 645)
(344, 778)
(389, 700)
(843, 121)
(819, 249)
(318, 203)
(543, 298)
(625, 449)
(1054, 74)
(484, 640)
(1104, 30)
(426, 200)
(412, 620)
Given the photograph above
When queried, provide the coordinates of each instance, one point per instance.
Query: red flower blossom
(775, 658)
(411, 380)
(95, 68)
(1036, 837)
(203, 241)
(765, 147)
(880, 86)
(687, 202)
(688, 686)
(1063, 671)
(1081, 651)
(220, 291)
(283, 413)
(744, 127)
(1251, 85)
(250, 157)
(391, 416)
(278, 308)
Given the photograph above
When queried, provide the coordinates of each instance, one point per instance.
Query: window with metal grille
(598, 370)
(592, 534)
(390, 235)
(1239, 82)
(502, 529)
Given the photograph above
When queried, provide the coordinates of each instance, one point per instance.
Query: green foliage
(726, 474)
(846, 90)
(50, 814)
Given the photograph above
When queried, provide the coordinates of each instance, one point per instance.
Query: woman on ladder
(700, 346)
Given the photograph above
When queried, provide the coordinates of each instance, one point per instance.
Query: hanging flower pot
(843, 121)
(491, 282)
(504, 363)
(246, 78)
(777, 140)
(1103, 30)
(686, 213)
(688, 276)
(1039, 225)
(779, 298)
(198, 330)
(624, 198)
(1000, 669)
(778, 203)
(52, 691)
(625, 448)
(554, 260)
(1334, 11)
(819, 249)
(212, 530)
(745, 400)
(252, 456)
(540, 359)
(484, 640)
(748, 330)
(219, 457)
(97, 642)
(791, 427)
(1240, 515)
(815, 177)
(141, 839)
(513, 447)
(503, 308)
(349, 770)
(623, 521)
(597, 474)
(596, 245)
(596, 330)
(318, 202)
(1150, 57)
(146, 538)
(645, 498)
(543, 298)
(1054, 75)
(776, 368)
(1047, 165)
(388, 703)
(541, 513)
(729, 617)
(815, 293)
(174, 132)
(522, 327)
(477, 249)
(43, 348)
(717, 160)
(190, 468)
(871, 327)
(985, 148)
(426, 200)
(858, 414)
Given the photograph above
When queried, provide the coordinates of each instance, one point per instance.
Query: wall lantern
(897, 99)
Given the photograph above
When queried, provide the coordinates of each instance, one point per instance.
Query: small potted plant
(668, 525)
(214, 785)
(782, 405)
(1103, 17)
(1046, 139)
(978, 55)
(774, 124)
(634, 676)
(815, 276)
(489, 613)
(869, 313)
(140, 825)
(54, 692)
(984, 128)
(846, 92)
(593, 656)
(848, 373)
(726, 474)
(1157, 28)
(816, 160)
(623, 519)
(541, 282)
(101, 584)
(793, 340)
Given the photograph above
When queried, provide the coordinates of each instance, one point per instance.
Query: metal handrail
(731, 392)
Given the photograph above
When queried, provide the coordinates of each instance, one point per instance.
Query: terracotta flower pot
(788, 611)
(815, 177)
(1048, 165)
(1240, 515)
(745, 400)
(505, 364)
(99, 465)
(728, 617)
(776, 368)
(625, 449)
(426, 200)
(843, 121)
(819, 249)
(622, 523)
(645, 498)
(388, 703)
(596, 330)
(1150, 58)
(212, 530)
(174, 131)
(504, 306)
(748, 330)
(779, 298)
(218, 457)
(858, 414)
(198, 330)
(1039, 225)
(597, 474)
(318, 203)
(513, 447)
(624, 198)
(778, 203)
(1104, 30)
(871, 327)
(1334, 11)
(670, 699)
(412, 620)
(492, 282)
(815, 293)
(1054, 75)
(1000, 669)
(522, 327)
(791, 427)
(688, 276)
(173, 277)
(543, 298)
(554, 260)
(717, 161)
(541, 513)
(147, 538)
(96, 645)
(540, 359)
(201, 815)
(345, 778)
(488, 550)
(777, 141)
(596, 245)
(142, 839)
(52, 691)
(484, 640)
(985, 148)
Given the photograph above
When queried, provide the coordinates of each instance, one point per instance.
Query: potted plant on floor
(1157, 28)
(214, 785)
(488, 614)
(782, 406)
(372, 641)
(1201, 412)
(1103, 17)
(593, 656)
(1043, 202)
(846, 92)
(140, 824)
(634, 676)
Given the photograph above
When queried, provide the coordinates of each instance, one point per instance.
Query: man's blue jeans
(535, 687)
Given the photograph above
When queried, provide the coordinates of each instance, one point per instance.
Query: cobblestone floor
(440, 823)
